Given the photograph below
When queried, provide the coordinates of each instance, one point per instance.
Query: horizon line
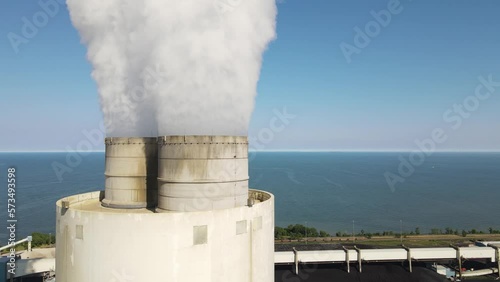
(374, 151)
(290, 150)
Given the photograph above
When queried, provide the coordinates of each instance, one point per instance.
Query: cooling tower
(200, 173)
(201, 230)
(131, 172)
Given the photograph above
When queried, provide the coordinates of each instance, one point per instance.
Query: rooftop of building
(91, 202)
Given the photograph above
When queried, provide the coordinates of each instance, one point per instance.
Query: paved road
(371, 273)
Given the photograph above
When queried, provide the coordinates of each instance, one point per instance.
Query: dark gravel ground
(386, 272)
(372, 272)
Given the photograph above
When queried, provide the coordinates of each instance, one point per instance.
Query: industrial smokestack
(172, 67)
(201, 173)
(224, 240)
(131, 173)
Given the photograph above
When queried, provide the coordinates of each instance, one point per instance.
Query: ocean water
(325, 190)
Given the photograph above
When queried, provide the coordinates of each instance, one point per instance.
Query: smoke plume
(175, 67)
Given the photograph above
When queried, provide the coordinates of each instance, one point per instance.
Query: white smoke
(176, 67)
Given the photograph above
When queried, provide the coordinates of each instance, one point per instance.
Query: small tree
(41, 239)
(312, 232)
(280, 232)
(436, 231)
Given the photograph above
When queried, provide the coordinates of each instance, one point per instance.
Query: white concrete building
(223, 233)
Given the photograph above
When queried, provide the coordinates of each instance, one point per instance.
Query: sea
(331, 191)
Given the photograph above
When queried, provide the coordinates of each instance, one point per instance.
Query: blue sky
(423, 64)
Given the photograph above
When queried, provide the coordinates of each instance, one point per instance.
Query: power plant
(175, 208)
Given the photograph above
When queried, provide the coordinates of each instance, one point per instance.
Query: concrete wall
(202, 173)
(131, 172)
(100, 244)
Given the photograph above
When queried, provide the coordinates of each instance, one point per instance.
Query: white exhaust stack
(131, 173)
(202, 173)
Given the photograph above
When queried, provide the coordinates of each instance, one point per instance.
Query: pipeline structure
(404, 254)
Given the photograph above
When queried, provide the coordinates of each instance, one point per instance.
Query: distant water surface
(324, 190)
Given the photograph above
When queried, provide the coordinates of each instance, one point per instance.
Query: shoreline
(413, 241)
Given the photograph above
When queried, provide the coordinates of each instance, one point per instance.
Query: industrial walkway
(410, 255)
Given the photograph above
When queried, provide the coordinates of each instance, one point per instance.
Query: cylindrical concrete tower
(94, 243)
(131, 173)
(201, 173)
(202, 229)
